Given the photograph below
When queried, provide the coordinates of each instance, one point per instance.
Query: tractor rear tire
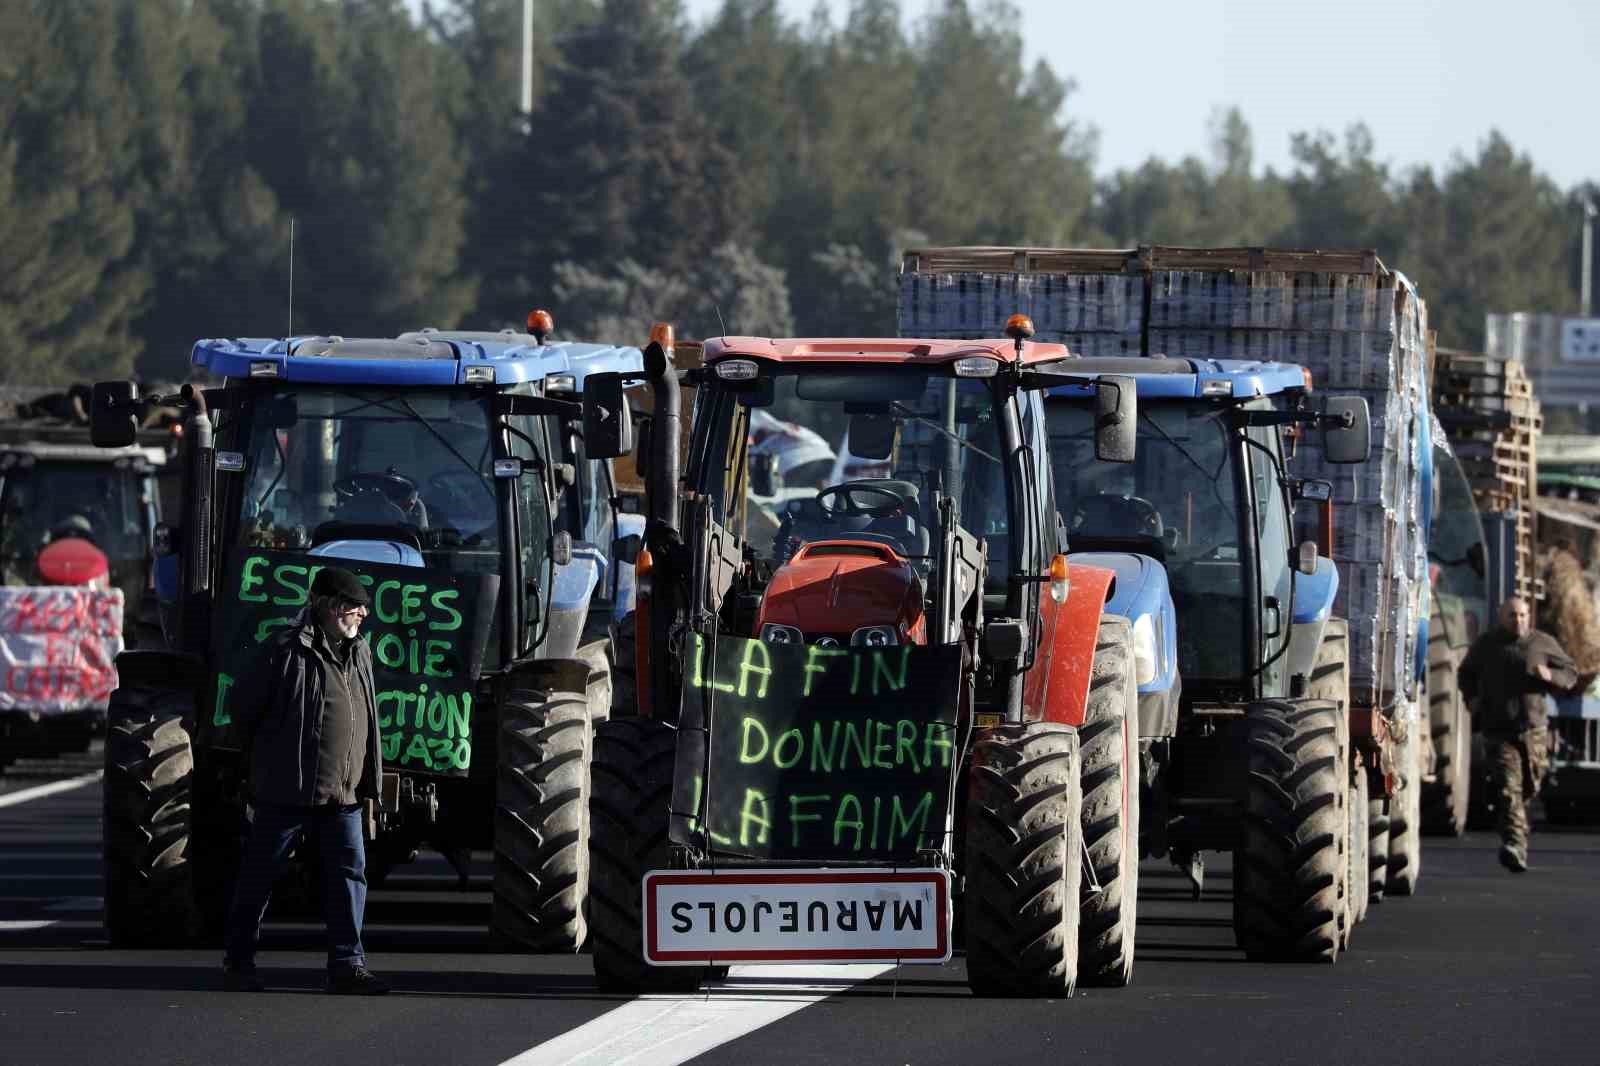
(1108, 742)
(1330, 680)
(1446, 801)
(624, 668)
(1360, 844)
(1024, 861)
(1405, 820)
(633, 764)
(1377, 847)
(1290, 862)
(541, 823)
(149, 780)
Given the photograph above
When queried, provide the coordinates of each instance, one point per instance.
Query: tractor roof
(420, 358)
(882, 350)
(1165, 377)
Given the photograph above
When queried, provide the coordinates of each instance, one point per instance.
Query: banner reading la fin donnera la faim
(427, 628)
(803, 752)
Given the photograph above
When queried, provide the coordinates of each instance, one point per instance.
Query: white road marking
(25, 926)
(667, 1030)
(77, 905)
(11, 799)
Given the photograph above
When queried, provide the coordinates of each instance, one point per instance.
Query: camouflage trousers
(1518, 761)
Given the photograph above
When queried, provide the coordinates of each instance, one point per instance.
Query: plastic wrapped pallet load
(1358, 326)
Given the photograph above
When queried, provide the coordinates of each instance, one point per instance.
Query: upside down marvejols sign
(427, 629)
(816, 753)
(58, 647)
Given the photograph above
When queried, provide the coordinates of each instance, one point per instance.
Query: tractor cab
(1206, 497)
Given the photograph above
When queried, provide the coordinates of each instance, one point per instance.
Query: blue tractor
(434, 469)
(1255, 754)
(594, 510)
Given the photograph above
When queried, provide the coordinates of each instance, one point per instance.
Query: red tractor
(879, 718)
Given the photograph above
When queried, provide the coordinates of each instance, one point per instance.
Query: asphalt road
(1480, 967)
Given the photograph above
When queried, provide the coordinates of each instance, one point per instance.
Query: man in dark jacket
(1505, 677)
(309, 721)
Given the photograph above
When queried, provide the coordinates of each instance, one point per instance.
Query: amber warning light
(541, 324)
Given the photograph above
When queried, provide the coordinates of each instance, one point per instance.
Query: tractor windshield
(901, 435)
(102, 502)
(412, 466)
(1177, 501)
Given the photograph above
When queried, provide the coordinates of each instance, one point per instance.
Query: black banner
(816, 754)
(427, 630)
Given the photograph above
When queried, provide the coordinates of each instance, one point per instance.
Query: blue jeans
(344, 887)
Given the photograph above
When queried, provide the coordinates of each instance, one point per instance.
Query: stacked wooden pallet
(1492, 417)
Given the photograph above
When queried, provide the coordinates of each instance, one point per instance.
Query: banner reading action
(427, 630)
(58, 647)
(816, 753)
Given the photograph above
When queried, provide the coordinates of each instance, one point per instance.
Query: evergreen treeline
(751, 175)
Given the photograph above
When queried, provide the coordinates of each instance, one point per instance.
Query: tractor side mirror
(1116, 417)
(626, 549)
(763, 474)
(641, 454)
(607, 422)
(114, 414)
(1346, 430)
(1314, 490)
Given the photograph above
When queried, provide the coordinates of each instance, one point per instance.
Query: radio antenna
(720, 322)
(289, 334)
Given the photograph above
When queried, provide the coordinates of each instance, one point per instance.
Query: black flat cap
(337, 581)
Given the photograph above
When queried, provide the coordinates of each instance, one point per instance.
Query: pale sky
(1429, 78)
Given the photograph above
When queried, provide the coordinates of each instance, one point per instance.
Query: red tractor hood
(834, 587)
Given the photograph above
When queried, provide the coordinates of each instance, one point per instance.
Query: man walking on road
(309, 721)
(1505, 677)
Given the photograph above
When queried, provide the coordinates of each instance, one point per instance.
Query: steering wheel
(1109, 514)
(850, 506)
(393, 485)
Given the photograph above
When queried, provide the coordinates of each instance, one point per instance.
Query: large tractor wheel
(1330, 680)
(633, 762)
(1405, 819)
(1290, 861)
(149, 880)
(1024, 861)
(624, 667)
(1108, 744)
(599, 689)
(1445, 802)
(1360, 845)
(541, 823)
(1377, 847)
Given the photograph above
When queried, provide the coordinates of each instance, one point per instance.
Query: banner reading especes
(427, 630)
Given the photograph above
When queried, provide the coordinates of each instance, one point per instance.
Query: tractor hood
(835, 587)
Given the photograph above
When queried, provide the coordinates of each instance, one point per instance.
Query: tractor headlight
(1145, 655)
(874, 637)
(773, 633)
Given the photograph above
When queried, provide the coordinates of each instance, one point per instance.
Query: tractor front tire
(1024, 861)
(1377, 847)
(1330, 680)
(149, 781)
(1290, 861)
(1446, 801)
(633, 764)
(1108, 743)
(1405, 819)
(541, 821)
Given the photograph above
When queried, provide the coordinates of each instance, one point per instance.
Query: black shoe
(241, 977)
(357, 982)
(1512, 859)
